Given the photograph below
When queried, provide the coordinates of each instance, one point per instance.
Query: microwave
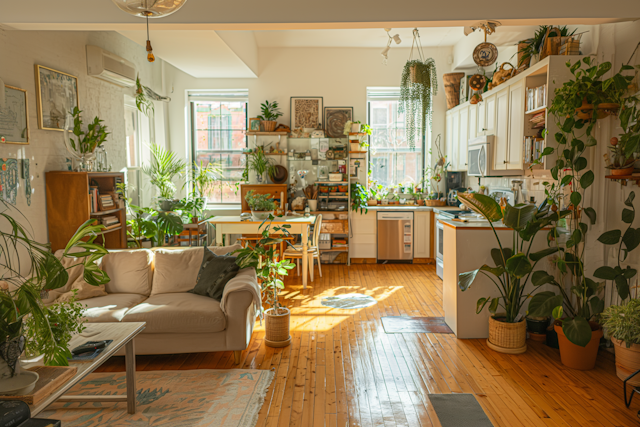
(480, 158)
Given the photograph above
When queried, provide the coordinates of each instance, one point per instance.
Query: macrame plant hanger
(418, 46)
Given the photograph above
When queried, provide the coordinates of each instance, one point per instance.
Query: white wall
(65, 51)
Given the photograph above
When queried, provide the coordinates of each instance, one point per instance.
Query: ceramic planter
(166, 204)
(576, 357)
(537, 325)
(277, 327)
(355, 127)
(621, 172)
(506, 337)
(260, 215)
(627, 361)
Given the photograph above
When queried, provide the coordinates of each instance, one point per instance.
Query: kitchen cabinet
(422, 235)
(456, 138)
(448, 134)
(463, 138)
(487, 116)
(363, 240)
(515, 157)
(501, 146)
(473, 121)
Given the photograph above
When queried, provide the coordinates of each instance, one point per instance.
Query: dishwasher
(395, 237)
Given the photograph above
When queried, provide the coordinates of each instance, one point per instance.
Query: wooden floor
(342, 369)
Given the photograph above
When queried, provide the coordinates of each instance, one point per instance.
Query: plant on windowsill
(512, 270)
(200, 179)
(162, 170)
(262, 205)
(263, 256)
(270, 114)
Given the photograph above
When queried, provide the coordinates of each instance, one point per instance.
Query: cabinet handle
(483, 129)
(466, 164)
(505, 161)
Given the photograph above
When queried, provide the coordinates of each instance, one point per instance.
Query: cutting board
(51, 378)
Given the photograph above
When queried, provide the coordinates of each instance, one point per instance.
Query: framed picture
(306, 112)
(334, 120)
(57, 95)
(254, 125)
(14, 117)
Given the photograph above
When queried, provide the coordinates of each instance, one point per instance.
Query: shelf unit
(68, 206)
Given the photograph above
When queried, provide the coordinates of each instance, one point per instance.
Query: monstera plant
(513, 265)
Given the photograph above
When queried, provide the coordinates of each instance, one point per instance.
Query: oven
(439, 228)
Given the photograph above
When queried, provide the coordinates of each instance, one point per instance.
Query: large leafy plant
(263, 256)
(624, 149)
(201, 178)
(418, 86)
(162, 170)
(90, 139)
(260, 202)
(29, 269)
(260, 163)
(514, 265)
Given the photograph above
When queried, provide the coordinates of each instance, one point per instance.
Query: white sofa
(150, 285)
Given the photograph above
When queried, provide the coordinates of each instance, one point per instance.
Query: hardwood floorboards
(341, 369)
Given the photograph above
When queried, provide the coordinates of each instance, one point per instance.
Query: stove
(451, 214)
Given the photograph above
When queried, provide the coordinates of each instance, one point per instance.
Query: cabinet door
(482, 118)
(422, 230)
(463, 139)
(448, 137)
(516, 126)
(455, 139)
(490, 121)
(501, 130)
(473, 121)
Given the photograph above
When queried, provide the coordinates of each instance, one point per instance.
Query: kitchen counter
(435, 209)
(473, 224)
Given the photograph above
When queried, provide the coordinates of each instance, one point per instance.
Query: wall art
(57, 96)
(254, 125)
(27, 180)
(334, 120)
(306, 112)
(14, 117)
(9, 180)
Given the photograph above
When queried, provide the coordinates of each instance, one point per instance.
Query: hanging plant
(143, 103)
(418, 87)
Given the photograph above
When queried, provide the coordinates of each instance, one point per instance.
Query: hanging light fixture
(149, 9)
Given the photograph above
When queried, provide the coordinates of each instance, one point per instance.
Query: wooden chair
(313, 250)
(250, 239)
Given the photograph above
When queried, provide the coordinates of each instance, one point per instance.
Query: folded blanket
(245, 280)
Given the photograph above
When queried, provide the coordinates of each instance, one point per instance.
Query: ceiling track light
(385, 51)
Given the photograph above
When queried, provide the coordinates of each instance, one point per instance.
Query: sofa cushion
(110, 308)
(176, 269)
(129, 271)
(178, 313)
(214, 274)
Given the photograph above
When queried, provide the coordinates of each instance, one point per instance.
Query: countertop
(472, 224)
(412, 208)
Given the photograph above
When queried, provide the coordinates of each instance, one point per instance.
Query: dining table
(298, 225)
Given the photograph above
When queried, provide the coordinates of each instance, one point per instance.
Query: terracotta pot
(269, 125)
(420, 202)
(195, 220)
(277, 328)
(576, 357)
(585, 111)
(372, 202)
(627, 361)
(452, 88)
(620, 172)
(510, 338)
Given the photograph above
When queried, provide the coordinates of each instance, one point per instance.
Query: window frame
(194, 150)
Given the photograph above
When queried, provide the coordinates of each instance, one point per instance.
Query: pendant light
(149, 9)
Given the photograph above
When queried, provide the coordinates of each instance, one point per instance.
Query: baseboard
(363, 260)
(424, 261)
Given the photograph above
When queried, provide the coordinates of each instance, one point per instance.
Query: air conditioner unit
(109, 67)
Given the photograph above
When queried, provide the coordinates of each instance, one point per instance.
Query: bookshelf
(69, 206)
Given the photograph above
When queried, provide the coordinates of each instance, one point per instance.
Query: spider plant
(143, 103)
(260, 163)
(162, 169)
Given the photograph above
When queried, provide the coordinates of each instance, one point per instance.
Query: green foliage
(88, 141)
(162, 169)
(260, 163)
(201, 178)
(147, 223)
(359, 197)
(260, 202)
(190, 207)
(622, 153)
(270, 111)
(535, 44)
(143, 103)
(264, 258)
(416, 98)
(622, 322)
(514, 265)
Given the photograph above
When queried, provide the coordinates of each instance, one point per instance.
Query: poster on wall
(334, 120)
(9, 180)
(306, 112)
(57, 96)
(14, 117)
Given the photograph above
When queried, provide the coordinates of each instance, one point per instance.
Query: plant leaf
(494, 305)
(541, 277)
(537, 256)
(576, 198)
(623, 286)
(484, 205)
(631, 238)
(577, 330)
(587, 179)
(517, 217)
(498, 257)
(518, 265)
(628, 216)
(611, 237)
(543, 303)
(590, 212)
(605, 273)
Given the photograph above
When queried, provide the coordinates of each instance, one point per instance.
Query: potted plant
(359, 198)
(623, 150)
(20, 295)
(513, 268)
(270, 114)
(260, 163)
(262, 205)
(352, 127)
(191, 208)
(622, 325)
(162, 170)
(83, 149)
(264, 258)
(417, 88)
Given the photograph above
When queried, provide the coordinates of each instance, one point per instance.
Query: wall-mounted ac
(109, 67)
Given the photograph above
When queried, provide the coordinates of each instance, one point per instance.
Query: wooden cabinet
(515, 157)
(422, 235)
(501, 146)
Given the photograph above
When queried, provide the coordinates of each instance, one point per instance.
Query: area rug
(403, 324)
(459, 410)
(204, 397)
(349, 301)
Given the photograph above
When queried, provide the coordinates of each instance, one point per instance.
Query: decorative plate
(485, 54)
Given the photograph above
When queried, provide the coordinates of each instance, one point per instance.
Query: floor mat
(403, 324)
(349, 301)
(459, 410)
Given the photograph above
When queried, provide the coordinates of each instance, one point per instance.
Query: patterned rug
(226, 398)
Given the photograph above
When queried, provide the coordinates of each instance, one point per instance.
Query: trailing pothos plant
(514, 265)
(580, 303)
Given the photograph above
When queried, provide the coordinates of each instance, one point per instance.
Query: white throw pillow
(129, 271)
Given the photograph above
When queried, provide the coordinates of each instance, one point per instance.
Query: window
(392, 160)
(219, 134)
(139, 132)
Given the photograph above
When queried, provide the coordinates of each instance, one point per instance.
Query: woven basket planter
(627, 360)
(277, 328)
(506, 337)
(269, 125)
(435, 203)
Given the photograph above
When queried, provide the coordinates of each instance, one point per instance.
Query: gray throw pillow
(215, 272)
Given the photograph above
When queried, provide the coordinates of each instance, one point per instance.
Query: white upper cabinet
(448, 138)
(463, 138)
(515, 158)
(501, 130)
(473, 121)
(490, 120)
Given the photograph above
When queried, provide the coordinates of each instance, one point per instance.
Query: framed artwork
(254, 125)
(14, 117)
(334, 120)
(306, 112)
(57, 95)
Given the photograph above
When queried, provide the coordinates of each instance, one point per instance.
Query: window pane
(132, 136)
(220, 136)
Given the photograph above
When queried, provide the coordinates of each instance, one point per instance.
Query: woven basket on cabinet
(507, 337)
(277, 328)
